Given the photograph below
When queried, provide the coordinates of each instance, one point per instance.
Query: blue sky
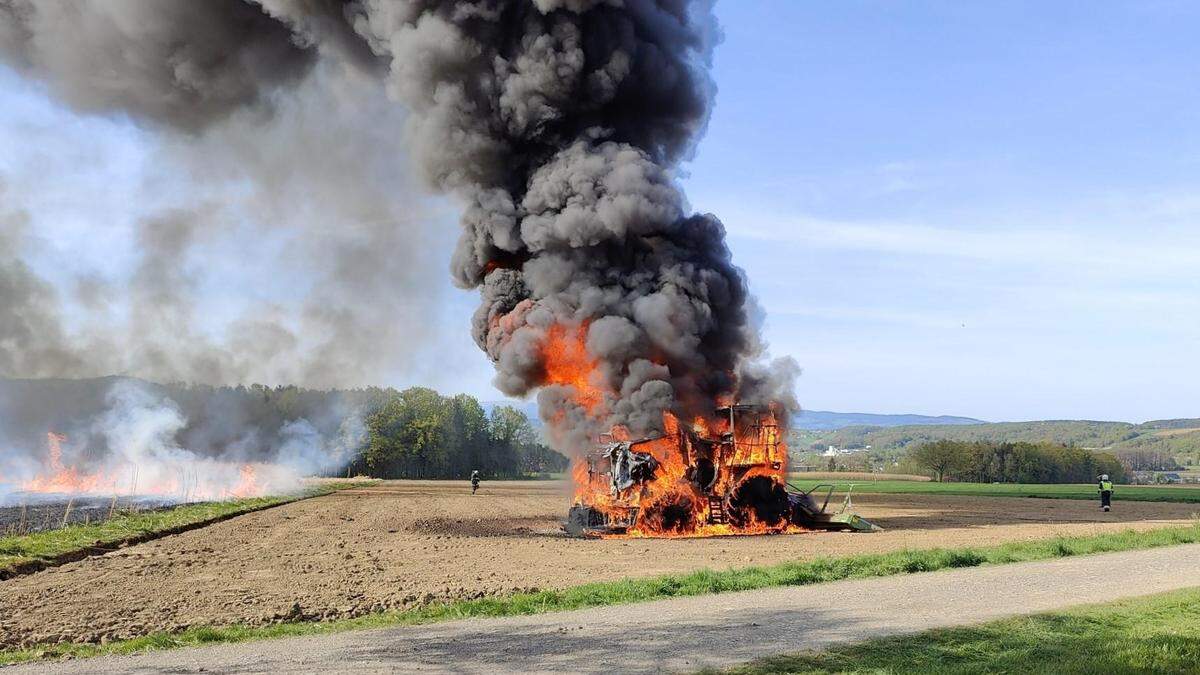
(983, 209)
(987, 209)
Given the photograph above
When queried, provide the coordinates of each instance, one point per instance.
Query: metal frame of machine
(715, 466)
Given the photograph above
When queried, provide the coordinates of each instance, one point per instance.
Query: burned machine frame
(719, 469)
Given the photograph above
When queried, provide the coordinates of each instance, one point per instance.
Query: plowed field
(400, 544)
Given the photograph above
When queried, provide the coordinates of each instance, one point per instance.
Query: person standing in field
(474, 481)
(1106, 490)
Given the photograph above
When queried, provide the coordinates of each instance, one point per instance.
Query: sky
(980, 209)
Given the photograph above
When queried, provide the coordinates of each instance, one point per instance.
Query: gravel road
(690, 633)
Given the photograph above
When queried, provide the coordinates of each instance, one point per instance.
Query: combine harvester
(723, 476)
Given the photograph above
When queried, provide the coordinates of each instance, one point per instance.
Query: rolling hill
(1178, 438)
(818, 420)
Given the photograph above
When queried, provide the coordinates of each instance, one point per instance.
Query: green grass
(1158, 634)
(38, 549)
(1138, 493)
(635, 590)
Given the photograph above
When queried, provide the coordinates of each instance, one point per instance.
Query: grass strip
(22, 554)
(1083, 491)
(1156, 634)
(816, 571)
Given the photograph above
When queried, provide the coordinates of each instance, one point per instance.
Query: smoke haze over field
(313, 197)
(559, 125)
(122, 436)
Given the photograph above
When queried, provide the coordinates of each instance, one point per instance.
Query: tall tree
(941, 457)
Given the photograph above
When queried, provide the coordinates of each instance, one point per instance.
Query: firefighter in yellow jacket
(1106, 490)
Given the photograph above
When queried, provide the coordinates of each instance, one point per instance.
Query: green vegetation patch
(418, 433)
(30, 552)
(1136, 493)
(1158, 634)
(816, 571)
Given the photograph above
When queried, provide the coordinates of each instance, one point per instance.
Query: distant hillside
(1083, 433)
(1179, 438)
(813, 420)
(1189, 424)
(822, 420)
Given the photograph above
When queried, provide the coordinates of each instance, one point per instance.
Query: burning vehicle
(722, 476)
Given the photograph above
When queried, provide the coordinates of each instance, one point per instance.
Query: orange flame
(248, 484)
(199, 481)
(678, 501)
(567, 362)
(65, 479)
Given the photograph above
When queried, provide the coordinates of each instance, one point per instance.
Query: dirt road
(690, 633)
(401, 544)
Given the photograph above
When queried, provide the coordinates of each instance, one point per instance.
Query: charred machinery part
(716, 510)
(761, 499)
(703, 473)
(811, 509)
(627, 467)
(803, 506)
(586, 521)
(675, 513)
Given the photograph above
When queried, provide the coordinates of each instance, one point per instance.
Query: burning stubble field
(40, 513)
(404, 544)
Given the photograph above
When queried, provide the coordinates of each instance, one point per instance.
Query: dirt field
(405, 543)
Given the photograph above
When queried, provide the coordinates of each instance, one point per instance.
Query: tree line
(1021, 462)
(414, 433)
(418, 433)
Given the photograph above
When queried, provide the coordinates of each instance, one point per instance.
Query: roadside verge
(1155, 634)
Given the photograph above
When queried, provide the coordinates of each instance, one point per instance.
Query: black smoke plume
(560, 124)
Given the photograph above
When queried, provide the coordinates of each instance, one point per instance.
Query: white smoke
(132, 449)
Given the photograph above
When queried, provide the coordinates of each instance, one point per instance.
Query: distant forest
(983, 462)
(414, 433)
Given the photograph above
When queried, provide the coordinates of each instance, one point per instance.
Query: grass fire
(136, 443)
(187, 479)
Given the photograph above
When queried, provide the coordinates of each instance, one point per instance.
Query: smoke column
(559, 124)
